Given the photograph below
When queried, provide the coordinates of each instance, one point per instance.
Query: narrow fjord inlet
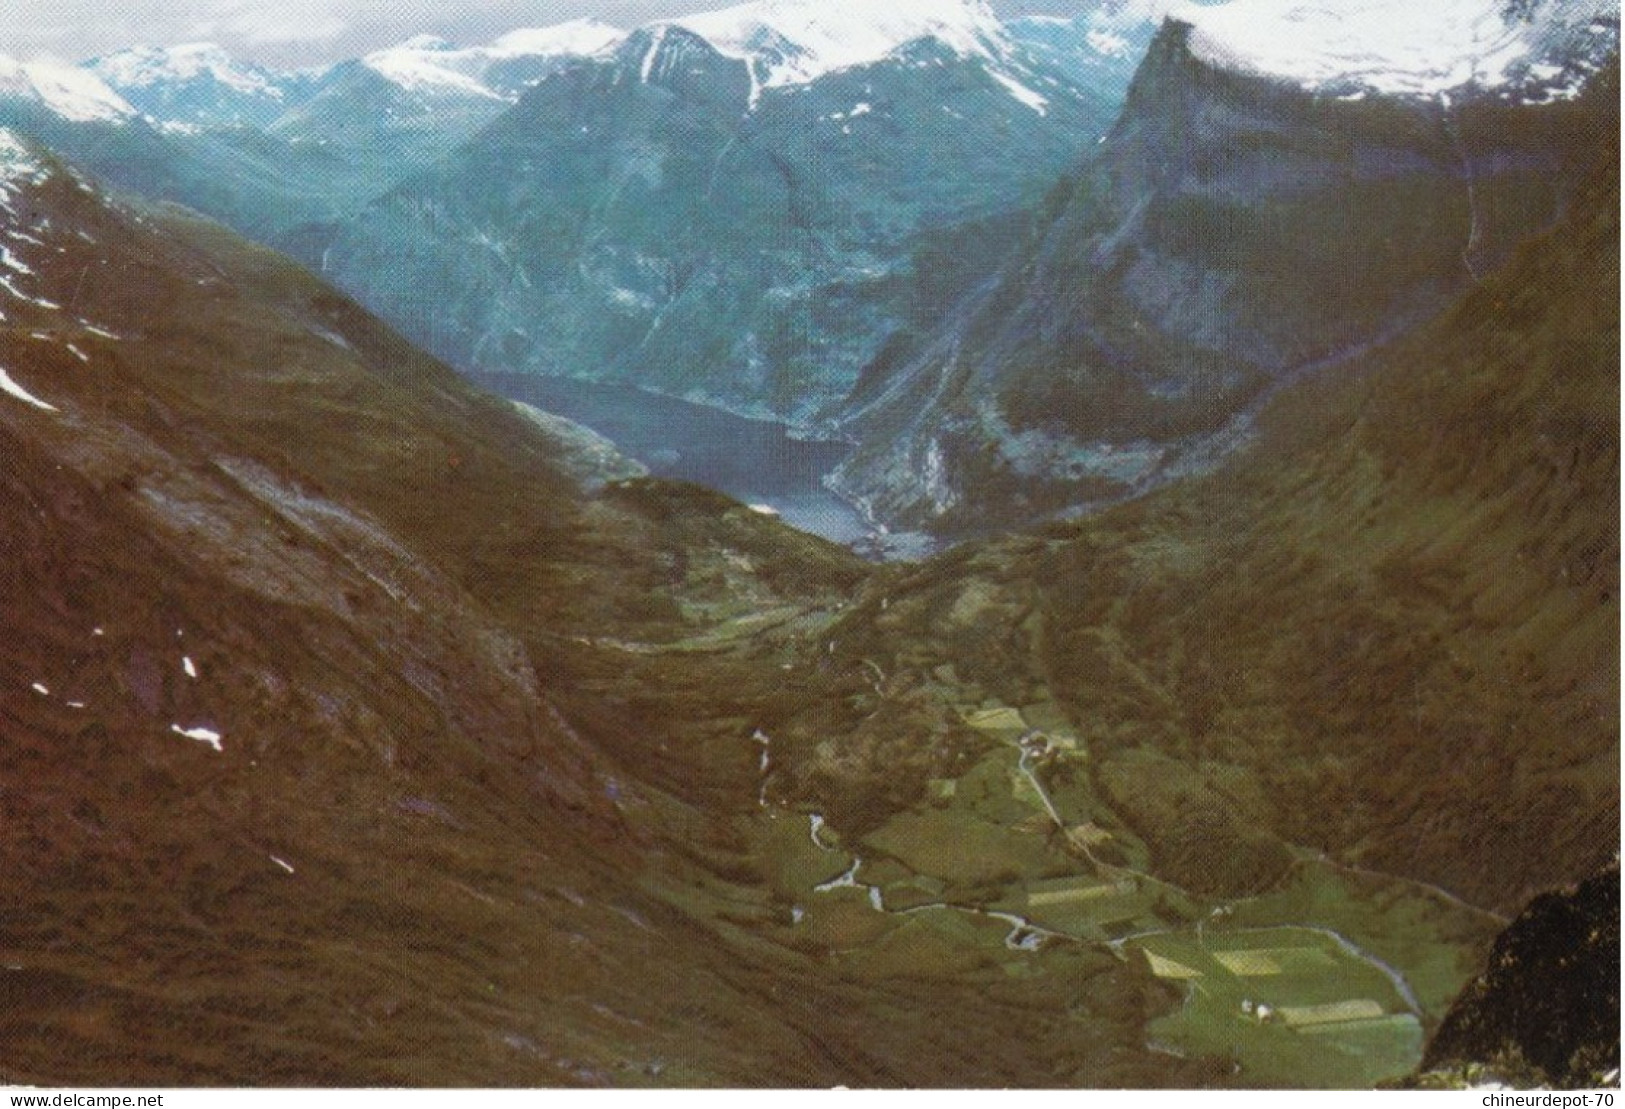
(941, 544)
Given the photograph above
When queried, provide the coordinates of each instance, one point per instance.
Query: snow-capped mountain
(500, 70)
(1528, 50)
(401, 108)
(199, 84)
(725, 207)
(226, 166)
(63, 91)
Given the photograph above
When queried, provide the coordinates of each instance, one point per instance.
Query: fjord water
(759, 462)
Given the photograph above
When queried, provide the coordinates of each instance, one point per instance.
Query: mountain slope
(1387, 631)
(1234, 230)
(501, 69)
(199, 85)
(348, 739)
(258, 183)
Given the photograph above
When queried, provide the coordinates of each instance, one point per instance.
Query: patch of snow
(14, 263)
(655, 44)
(283, 865)
(9, 386)
(201, 735)
(190, 667)
(1109, 43)
(416, 69)
(765, 510)
(849, 880)
(39, 302)
(579, 38)
(18, 166)
(40, 688)
(1021, 92)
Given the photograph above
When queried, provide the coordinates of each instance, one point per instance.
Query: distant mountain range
(1019, 286)
(731, 207)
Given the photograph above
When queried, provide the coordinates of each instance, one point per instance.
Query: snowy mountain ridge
(144, 66)
(426, 63)
(75, 94)
(1535, 49)
(199, 84)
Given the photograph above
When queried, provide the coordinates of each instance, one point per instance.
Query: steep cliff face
(1397, 608)
(1235, 229)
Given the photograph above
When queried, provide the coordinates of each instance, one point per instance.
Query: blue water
(755, 461)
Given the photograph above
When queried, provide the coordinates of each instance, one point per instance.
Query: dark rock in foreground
(1545, 1012)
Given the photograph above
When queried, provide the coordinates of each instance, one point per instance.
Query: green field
(1288, 1005)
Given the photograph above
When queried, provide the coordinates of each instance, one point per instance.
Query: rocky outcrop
(1545, 1012)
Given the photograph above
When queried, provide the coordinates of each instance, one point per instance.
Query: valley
(797, 547)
